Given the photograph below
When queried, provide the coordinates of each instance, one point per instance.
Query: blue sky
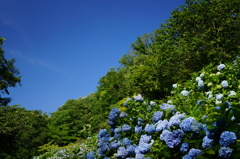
(62, 48)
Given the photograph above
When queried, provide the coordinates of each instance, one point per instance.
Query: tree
(198, 33)
(8, 75)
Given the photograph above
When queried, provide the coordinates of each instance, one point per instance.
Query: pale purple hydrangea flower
(219, 96)
(220, 67)
(224, 84)
(184, 93)
(138, 98)
(232, 93)
(145, 138)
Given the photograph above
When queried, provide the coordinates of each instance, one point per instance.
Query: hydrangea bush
(200, 120)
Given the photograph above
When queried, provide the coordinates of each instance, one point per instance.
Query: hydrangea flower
(138, 98)
(152, 103)
(209, 95)
(219, 96)
(198, 79)
(122, 152)
(232, 93)
(157, 116)
(184, 93)
(185, 125)
(90, 155)
(225, 152)
(126, 141)
(150, 128)
(114, 144)
(200, 85)
(145, 138)
(196, 127)
(194, 152)
(166, 106)
(122, 115)
(220, 67)
(176, 119)
(102, 133)
(207, 142)
(138, 129)
(131, 149)
(112, 118)
(117, 130)
(140, 121)
(227, 138)
(161, 125)
(103, 148)
(202, 75)
(174, 85)
(224, 84)
(184, 147)
(126, 127)
(174, 138)
(164, 133)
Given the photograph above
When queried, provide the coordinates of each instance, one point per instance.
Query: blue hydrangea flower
(174, 85)
(122, 152)
(184, 147)
(194, 152)
(224, 84)
(138, 129)
(176, 119)
(157, 116)
(102, 133)
(227, 138)
(200, 85)
(225, 152)
(196, 127)
(131, 149)
(126, 141)
(138, 98)
(187, 156)
(126, 127)
(117, 130)
(174, 138)
(114, 145)
(166, 106)
(90, 155)
(220, 67)
(185, 125)
(161, 125)
(122, 115)
(112, 118)
(207, 142)
(103, 148)
(145, 138)
(209, 95)
(139, 156)
(184, 93)
(140, 121)
(164, 134)
(150, 128)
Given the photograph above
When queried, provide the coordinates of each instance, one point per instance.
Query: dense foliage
(181, 112)
(8, 75)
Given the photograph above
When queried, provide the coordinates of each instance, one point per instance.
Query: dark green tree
(9, 75)
(22, 132)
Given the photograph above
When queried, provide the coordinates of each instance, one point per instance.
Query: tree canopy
(9, 75)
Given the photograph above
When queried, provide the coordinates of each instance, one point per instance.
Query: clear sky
(62, 48)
